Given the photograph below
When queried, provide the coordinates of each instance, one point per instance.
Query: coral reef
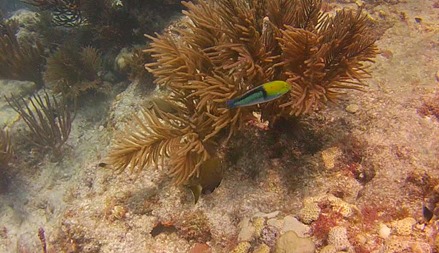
(110, 24)
(20, 60)
(118, 24)
(48, 119)
(73, 73)
(65, 12)
(229, 47)
(375, 162)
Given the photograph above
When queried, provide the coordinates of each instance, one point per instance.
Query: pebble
(384, 231)
(247, 230)
(309, 213)
(258, 224)
(338, 236)
(404, 226)
(437, 76)
(292, 224)
(242, 247)
(352, 108)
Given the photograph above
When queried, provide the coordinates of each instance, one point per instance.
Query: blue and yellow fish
(261, 94)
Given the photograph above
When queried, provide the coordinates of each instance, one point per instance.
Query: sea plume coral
(158, 135)
(230, 46)
(5, 148)
(335, 51)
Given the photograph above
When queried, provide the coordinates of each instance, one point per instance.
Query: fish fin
(196, 191)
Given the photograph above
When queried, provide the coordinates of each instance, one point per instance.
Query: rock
(200, 248)
(269, 235)
(329, 157)
(309, 213)
(398, 245)
(344, 208)
(437, 76)
(266, 215)
(329, 249)
(242, 247)
(384, 231)
(352, 108)
(311, 210)
(291, 243)
(258, 224)
(263, 248)
(278, 223)
(338, 236)
(292, 224)
(404, 226)
(247, 230)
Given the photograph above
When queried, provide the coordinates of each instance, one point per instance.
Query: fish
(210, 177)
(261, 94)
(428, 214)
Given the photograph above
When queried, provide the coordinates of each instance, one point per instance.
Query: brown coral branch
(48, 119)
(153, 138)
(6, 150)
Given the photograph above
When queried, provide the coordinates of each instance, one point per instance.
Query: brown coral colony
(228, 47)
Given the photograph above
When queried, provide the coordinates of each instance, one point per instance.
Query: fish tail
(231, 103)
